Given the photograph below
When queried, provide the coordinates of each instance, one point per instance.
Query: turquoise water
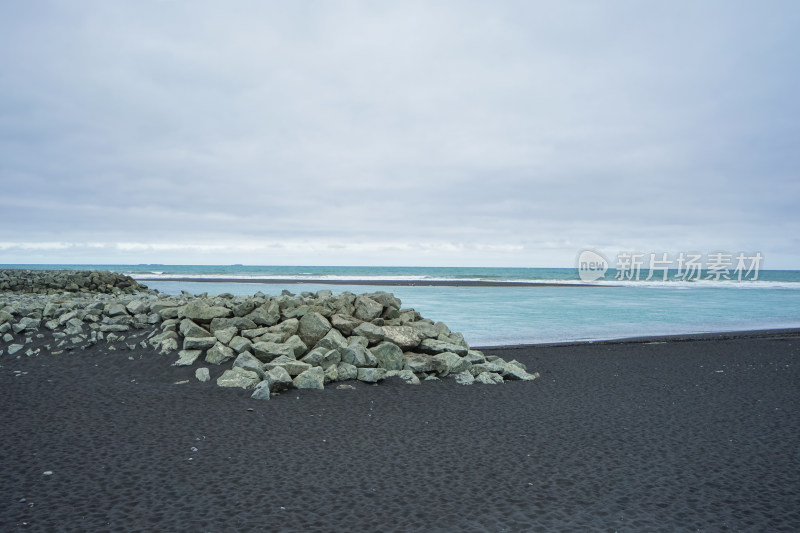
(510, 315)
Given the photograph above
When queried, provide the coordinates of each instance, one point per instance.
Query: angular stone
(218, 354)
(346, 371)
(244, 307)
(330, 358)
(14, 348)
(403, 336)
(187, 357)
(292, 366)
(314, 357)
(371, 375)
(203, 313)
(267, 351)
(514, 372)
(297, 344)
(419, 363)
(240, 344)
(238, 377)
(371, 332)
(225, 335)
(389, 356)
(247, 361)
(238, 322)
(464, 378)
(331, 374)
(261, 392)
(345, 324)
(357, 355)
(475, 357)
(492, 367)
(313, 378)
(189, 328)
(279, 379)
(489, 378)
(433, 347)
(137, 307)
(202, 375)
(198, 343)
(366, 308)
(386, 299)
(267, 315)
(332, 340)
(287, 328)
(406, 375)
(115, 309)
(312, 328)
(257, 332)
(453, 364)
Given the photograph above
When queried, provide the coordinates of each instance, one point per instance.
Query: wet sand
(696, 433)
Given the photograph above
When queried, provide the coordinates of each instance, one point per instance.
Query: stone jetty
(267, 344)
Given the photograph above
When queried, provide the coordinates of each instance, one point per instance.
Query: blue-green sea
(493, 315)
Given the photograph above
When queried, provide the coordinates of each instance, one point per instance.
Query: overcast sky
(397, 133)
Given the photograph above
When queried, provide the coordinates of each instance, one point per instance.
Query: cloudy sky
(444, 133)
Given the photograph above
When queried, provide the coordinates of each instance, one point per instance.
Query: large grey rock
(403, 336)
(491, 367)
(314, 357)
(331, 374)
(237, 322)
(345, 324)
(137, 307)
(406, 375)
(247, 361)
(386, 299)
(74, 326)
(312, 328)
(240, 344)
(464, 378)
(202, 313)
(202, 375)
(346, 371)
(262, 392)
(514, 372)
(5, 317)
(475, 357)
(357, 355)
(297, 344)
(115, 309)
(371, 375)
(187, 357)
(453, 364)
(198, 343)
(14, 348)
(313, 378)
(331, 358)
(26, 324)
(371, 332)
(292, 366)
(267, 351)
(266, 315)
(257, 332)
(366, 308)
(419, 363)
(218, 354)
(279, 379)
(388, 355)
(433, 347)
(225, 335)
(244, 308)
(287, 328)
(189, 328)
(332, 340)
(238, 377)
(424, 329)
(489, 378)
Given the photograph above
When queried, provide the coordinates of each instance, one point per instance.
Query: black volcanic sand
(687, 435)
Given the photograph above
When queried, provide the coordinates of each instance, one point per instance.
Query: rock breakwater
(58, 281)
(266, 344)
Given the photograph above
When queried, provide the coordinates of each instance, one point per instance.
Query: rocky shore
(267, 344)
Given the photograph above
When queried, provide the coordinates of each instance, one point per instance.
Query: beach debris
(270, 344)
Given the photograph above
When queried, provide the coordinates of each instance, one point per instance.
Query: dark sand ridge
(686, 435)
(375, 282)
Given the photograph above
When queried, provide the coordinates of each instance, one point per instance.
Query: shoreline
(769, 333)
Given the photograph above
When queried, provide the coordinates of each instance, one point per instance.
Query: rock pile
(272, 344)
(58, 281)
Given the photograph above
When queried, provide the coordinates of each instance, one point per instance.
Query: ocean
(541, 305)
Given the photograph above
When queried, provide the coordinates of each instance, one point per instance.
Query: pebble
(48, 473)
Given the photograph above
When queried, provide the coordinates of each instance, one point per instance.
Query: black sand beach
(692, 434)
